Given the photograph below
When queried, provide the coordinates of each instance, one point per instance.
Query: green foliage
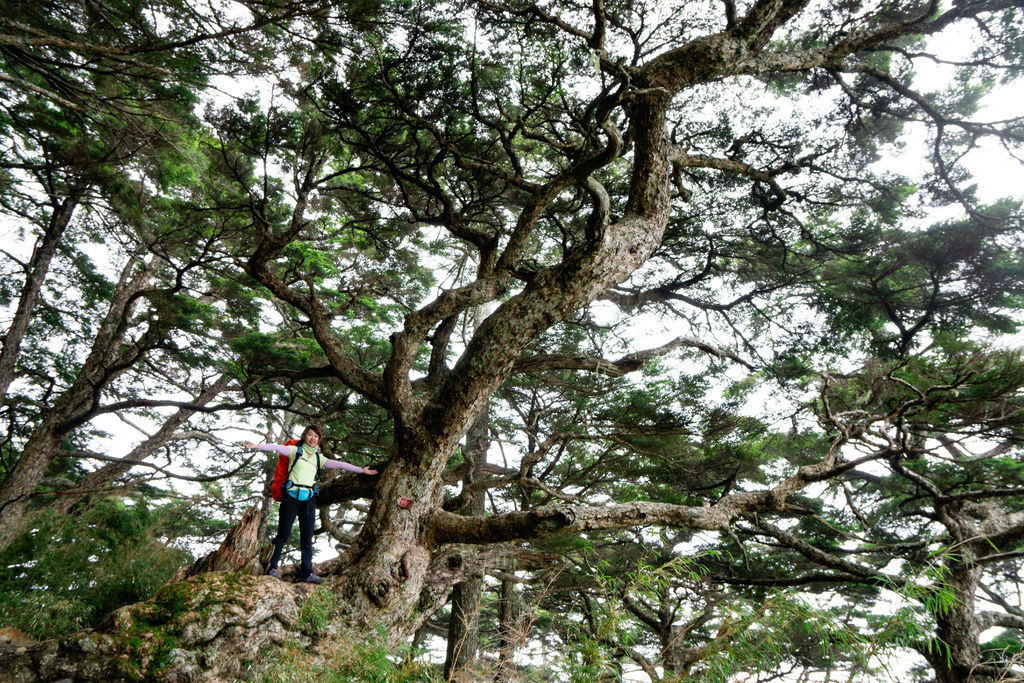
(759, 637)
(1006, 646)
(743, 635)
(316, 612)
(585, 659)
(404, 151)
(346, 659)
(650, 579)
(69, 571)
(912, 283)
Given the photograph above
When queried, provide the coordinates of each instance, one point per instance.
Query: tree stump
(240, 551)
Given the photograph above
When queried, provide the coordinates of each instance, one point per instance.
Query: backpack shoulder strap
(294, 459)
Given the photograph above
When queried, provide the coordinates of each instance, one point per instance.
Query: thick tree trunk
(21, 483)
(388, 561)
(463, 629)
(38, 267)
(956, 656)
(464, 625)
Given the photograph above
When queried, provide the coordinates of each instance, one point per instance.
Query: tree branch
(617, 368)
(440, 526)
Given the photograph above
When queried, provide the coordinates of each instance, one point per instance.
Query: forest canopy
(685, 338)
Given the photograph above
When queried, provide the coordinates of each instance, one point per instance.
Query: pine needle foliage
(67, 572)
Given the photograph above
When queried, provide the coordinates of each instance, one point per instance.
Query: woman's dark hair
(316, 429)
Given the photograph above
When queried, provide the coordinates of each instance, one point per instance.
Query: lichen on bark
(214, 625)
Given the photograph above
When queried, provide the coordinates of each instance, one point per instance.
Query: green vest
(303, 469)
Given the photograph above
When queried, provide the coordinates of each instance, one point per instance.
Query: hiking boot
(313, 578)
(273, 572)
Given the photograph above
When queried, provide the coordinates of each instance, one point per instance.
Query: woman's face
(311, 438)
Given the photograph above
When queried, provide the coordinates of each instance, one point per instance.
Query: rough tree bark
(979, 531)
(238, 552)
(956, 657)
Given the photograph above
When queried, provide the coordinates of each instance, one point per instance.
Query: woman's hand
(367, 470)
(250, 445)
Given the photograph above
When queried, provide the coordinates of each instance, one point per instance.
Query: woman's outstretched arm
(349, 467)
(280, 450)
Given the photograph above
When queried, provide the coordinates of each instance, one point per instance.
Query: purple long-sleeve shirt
(328, 463)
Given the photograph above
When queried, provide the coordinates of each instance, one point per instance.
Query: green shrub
(345, 660)
(315, 613)
(68, 571)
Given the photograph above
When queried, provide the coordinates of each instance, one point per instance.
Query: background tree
(104, 149)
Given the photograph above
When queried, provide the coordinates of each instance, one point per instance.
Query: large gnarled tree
(561, 155)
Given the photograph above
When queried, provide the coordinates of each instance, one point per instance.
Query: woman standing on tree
(299, 499)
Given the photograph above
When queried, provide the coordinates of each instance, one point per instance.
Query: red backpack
(281, 473)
